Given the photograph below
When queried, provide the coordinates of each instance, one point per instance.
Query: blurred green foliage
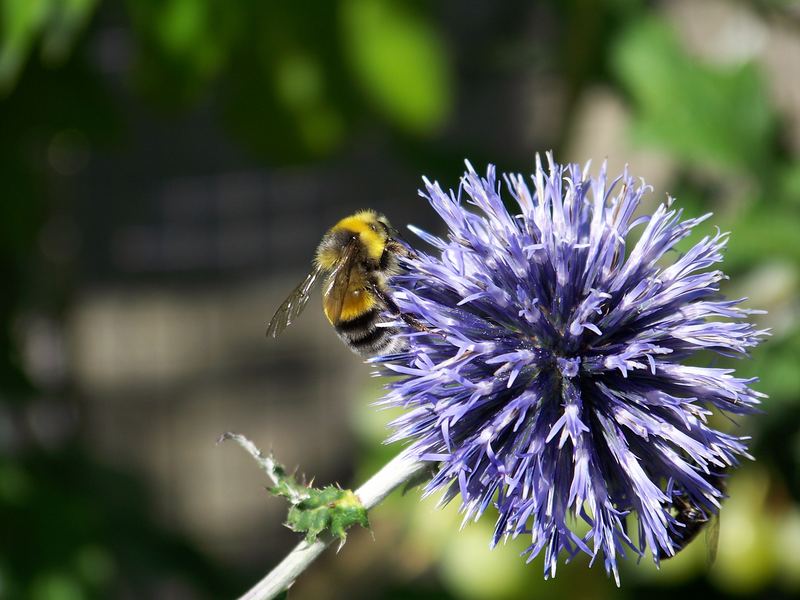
(719, 117)
(52, 24)
(75, 529)
(298, 83)
(399, 60)
(296, 78)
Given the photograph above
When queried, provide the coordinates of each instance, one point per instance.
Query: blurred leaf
(183, 45)
(399, 60)
(298, 80)
(286, 94)
(92, 535)
(776, 366)
(57, 586)
(67, 20)
(745, 560)
(763, 231)
(95, 565)
(14, 484)
(300, 86)
(473, 570)
(717, 116)
(790, 184)
(22, 21)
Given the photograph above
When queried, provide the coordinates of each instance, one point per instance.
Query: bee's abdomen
(363, 335)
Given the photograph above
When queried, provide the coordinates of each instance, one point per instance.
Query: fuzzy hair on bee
(355, 260)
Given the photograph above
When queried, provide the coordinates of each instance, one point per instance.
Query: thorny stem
(267, 463)
(392, 475)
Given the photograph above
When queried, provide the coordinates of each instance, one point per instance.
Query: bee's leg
(392, 307)
(414, 323)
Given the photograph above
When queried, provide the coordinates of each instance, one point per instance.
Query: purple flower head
(554, 386)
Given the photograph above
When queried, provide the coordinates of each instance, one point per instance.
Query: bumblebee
(355, 258)
(692, 519)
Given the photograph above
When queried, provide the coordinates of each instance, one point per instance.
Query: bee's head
(369, 221)
(370, 229)
(373, 230)
(385, 228)
(384, 222)
(369, 225)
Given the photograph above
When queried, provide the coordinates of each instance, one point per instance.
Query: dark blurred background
(167, 167)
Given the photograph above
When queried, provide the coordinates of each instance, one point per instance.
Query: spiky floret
(557, 388)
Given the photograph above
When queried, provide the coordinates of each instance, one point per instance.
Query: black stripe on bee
(361, 322)
(371, 338)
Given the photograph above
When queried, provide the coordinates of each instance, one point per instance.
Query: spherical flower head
(553, 383)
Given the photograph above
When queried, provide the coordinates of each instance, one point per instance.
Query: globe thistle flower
(554, 385)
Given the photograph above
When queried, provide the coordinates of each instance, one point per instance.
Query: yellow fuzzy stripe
(356, 303)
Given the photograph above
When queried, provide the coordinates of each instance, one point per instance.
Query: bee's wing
(712, 538)
(293, 305)
(338, 284)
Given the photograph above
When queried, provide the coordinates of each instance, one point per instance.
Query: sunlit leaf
(21, 21)
(399, 60)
